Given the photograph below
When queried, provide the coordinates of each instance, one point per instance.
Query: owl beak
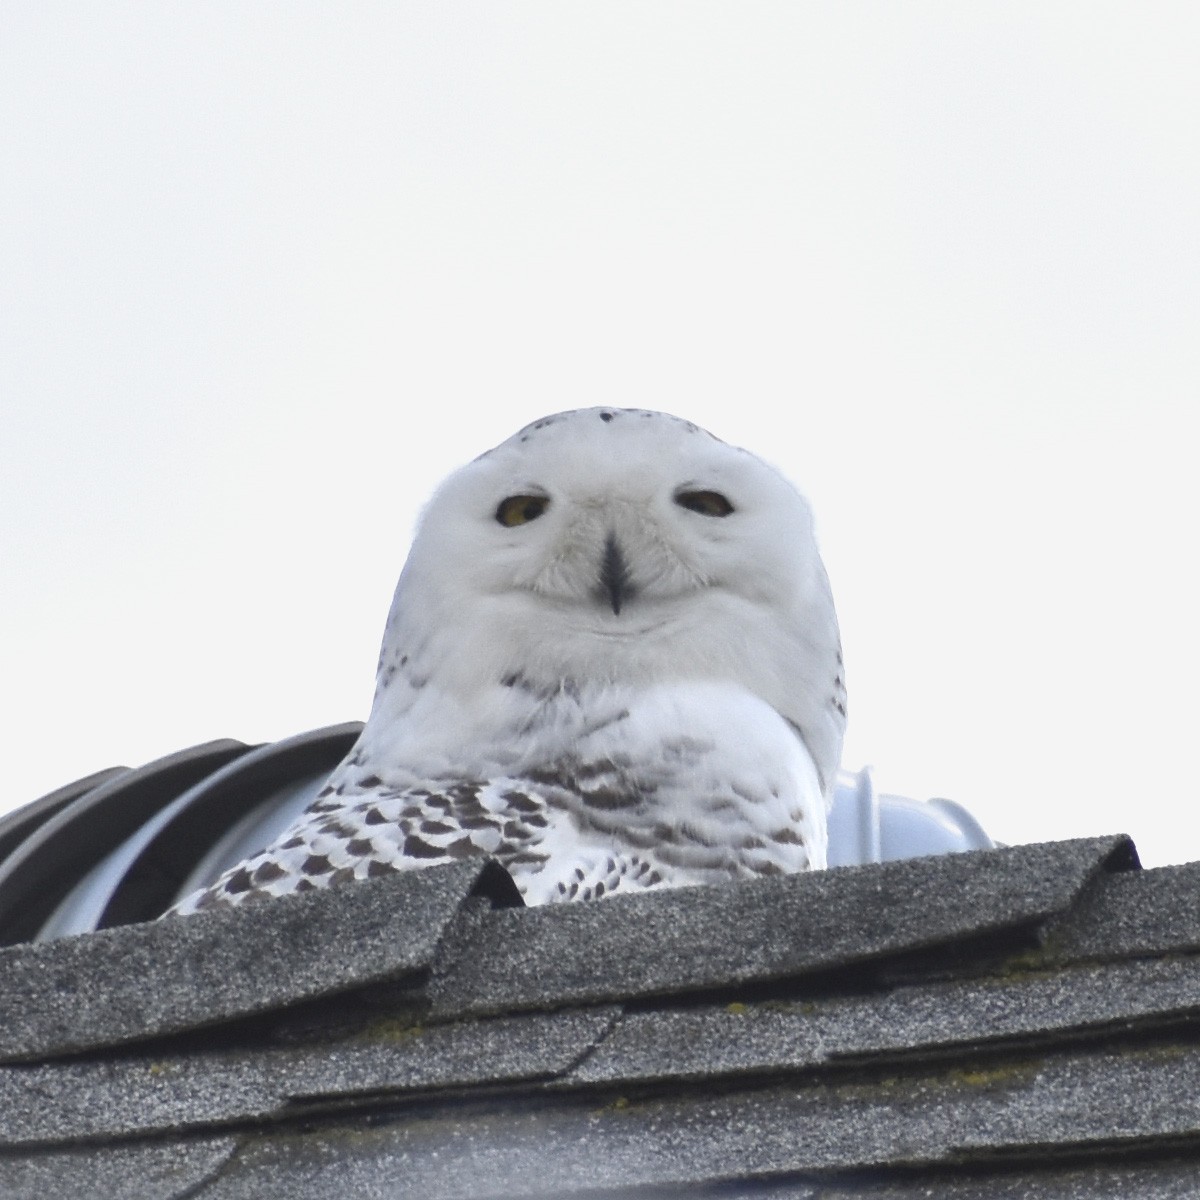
(615, 585)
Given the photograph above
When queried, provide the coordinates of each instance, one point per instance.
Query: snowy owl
(612, 663)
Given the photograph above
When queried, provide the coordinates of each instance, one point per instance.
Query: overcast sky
(269, 270)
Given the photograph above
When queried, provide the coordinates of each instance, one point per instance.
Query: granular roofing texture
(1007, 1023)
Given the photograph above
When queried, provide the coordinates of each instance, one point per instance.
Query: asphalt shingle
(137, 1171)
(139, 1094)
(702, 938)
(1018, 1022)
(1147, 1179)
(1021, 1012)
(141, 981)
(967, 1116)
(1135, 913)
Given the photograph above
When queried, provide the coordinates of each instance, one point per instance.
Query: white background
(269, 270)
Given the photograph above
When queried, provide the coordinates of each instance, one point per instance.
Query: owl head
(611, 547)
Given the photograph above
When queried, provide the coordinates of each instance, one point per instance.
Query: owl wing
(378, 831)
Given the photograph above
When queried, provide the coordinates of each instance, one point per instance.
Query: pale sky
(269, 270)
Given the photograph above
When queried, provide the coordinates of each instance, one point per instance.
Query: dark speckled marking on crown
(606, 415)
(541, 423)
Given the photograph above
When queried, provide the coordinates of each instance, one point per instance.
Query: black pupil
(709, 504)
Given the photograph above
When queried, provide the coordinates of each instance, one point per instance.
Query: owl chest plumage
(675, 783)
(627, 789)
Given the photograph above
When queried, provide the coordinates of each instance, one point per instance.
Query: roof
(1016, 1022)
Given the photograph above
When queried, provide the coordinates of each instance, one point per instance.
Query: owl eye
(707, 504)
(520, 510)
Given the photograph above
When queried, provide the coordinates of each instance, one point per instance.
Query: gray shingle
(147, 1093)
(742, 1041)
(142, 1094)
(1020, 1012)
(697, 938)
(1136, 913)
(139, 981)
(983, 1115)
(139, 1171)
(1149, 1179)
